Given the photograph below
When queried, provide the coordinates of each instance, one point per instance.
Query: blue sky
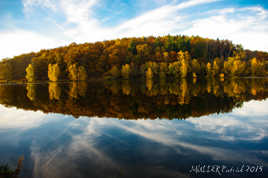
(31, 25)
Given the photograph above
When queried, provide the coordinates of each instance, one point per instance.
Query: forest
(172, 57)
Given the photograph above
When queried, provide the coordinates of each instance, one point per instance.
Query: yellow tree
(149, 74)
(125, 71)
(208, 69)
(166, 56)
(253, 65)
(30, 73)
(73, 72)
(257, 67)
(184, 69)
(142, 50)
(184, 59)
(238, 67)
(216, 66)
(226, 66)
(53, 72)
(114, 72)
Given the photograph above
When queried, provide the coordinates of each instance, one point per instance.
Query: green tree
(196, 68)
(174, 69)
(163, 70)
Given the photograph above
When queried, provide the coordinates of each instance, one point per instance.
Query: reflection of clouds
(12, 118)
(84, 148)
(252, 108)
(169, 138)
(70, 156)
(229, 128)
(248, 123)
(86, 143)
(46, 164)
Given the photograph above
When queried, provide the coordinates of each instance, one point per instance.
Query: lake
(197, 128)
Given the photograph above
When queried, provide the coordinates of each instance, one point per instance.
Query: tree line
(144, 57)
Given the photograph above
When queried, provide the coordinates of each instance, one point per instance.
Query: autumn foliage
(154, 57)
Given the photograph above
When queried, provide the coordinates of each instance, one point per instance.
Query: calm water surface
(72, 134)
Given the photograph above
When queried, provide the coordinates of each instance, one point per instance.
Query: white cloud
(12, 118)
(247, 123)
(29, 4)
(166, 132)
(252, 109)
(227, 127)
(159, 21)
(17, 42)
(247, 26)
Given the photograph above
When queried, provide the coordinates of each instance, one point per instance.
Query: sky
(32, 25)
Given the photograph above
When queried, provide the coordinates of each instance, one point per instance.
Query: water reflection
(56, 145)
(94, 147)
(134, 100)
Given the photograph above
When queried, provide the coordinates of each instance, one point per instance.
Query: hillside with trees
(172, 57)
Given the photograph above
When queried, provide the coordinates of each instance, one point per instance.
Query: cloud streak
(79, 23)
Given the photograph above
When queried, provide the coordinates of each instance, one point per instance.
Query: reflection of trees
(54, 91)
(114, 87)
(184, 93)
(136, 99)
(7, 172)
(149, 84)
(31, 91)
(126, 88)
(82, 88)
(163, 87)
(235, 88)
(216, 87)
(77, 89)
(73, 92)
